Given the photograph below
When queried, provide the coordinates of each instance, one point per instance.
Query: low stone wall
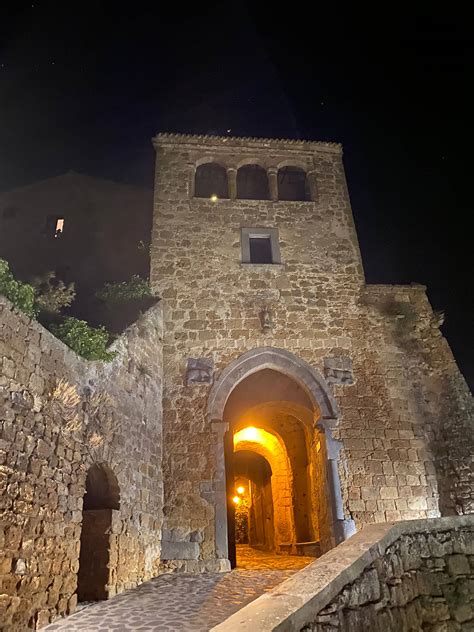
(59, 415)
(406, 576)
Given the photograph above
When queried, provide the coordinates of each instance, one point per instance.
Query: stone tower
(331, 403)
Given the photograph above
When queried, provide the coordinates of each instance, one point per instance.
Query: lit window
(54, 226)
(260, 246)
(59, 226)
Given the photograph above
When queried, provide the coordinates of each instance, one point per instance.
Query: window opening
(260, 249)
(59, 227)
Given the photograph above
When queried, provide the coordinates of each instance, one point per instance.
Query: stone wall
(401, 430)
(416, 575)
(393, 376)
(60, 414)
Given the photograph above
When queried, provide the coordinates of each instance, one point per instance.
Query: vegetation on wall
(52, 295)
(22, 295)
(46, 297)
(89, 342)
(122, 291)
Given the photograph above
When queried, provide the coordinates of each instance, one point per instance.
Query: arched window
(293, 184)
(211, 180)
(252, 183)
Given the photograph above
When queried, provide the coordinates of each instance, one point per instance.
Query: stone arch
(250, 160)
(252, 182)
(101, 499)
(293, 184)
(273, 450)
(326, 417)
(210, 178)
(102, 488)
(300, 164)
(279, 360)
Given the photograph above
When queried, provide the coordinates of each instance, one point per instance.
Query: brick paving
(184, 602)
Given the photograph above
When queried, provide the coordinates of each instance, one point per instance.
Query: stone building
(270, 386)
(87, 230)
(282, 367)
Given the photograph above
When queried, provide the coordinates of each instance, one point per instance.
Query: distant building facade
(88, 230)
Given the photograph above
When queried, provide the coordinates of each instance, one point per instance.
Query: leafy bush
(122, 291)
(22, 295)
(88, 342)
(52, 295)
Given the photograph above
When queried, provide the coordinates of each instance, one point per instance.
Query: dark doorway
(101, 498)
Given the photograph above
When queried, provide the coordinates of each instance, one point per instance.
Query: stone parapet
(286, 144)
(400, 576)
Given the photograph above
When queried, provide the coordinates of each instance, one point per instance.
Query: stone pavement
(183, 602)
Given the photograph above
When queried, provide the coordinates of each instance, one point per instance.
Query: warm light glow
(59, 226)
(240, 490)
(236, 500)
(249, 434)
(260, 440)
(214, 197)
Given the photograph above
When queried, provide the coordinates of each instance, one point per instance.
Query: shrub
(22, 295)
(88, 342)
(122, 291)
(52, 295)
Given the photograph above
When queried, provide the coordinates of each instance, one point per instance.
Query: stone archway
(273, 450)
(325, 419)
(101, 498)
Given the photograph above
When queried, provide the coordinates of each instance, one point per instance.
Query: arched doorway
(101, 497)
(253, 500)
(275, 405)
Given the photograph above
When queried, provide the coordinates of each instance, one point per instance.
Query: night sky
(84, 86)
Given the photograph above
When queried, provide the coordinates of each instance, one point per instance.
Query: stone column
(343, 527)
(313, 185)
(219, 489)
(192, 177)
(272, 174)
(232, 182)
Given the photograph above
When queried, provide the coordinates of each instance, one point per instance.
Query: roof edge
(168, 138)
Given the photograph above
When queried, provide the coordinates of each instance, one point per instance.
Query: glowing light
(236, 500)
(59, 226)
(249, 434)
(214, 197)
(240, 490)
(259, 439)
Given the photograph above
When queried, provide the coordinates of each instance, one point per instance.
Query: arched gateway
(270, 403)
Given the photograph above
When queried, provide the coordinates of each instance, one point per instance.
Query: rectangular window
(54, 226)
(260, 249)
(260, 246)
(59, 226)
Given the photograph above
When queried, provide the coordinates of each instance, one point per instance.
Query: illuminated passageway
(275, 468)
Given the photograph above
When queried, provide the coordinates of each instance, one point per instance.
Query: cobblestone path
(181, 602)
